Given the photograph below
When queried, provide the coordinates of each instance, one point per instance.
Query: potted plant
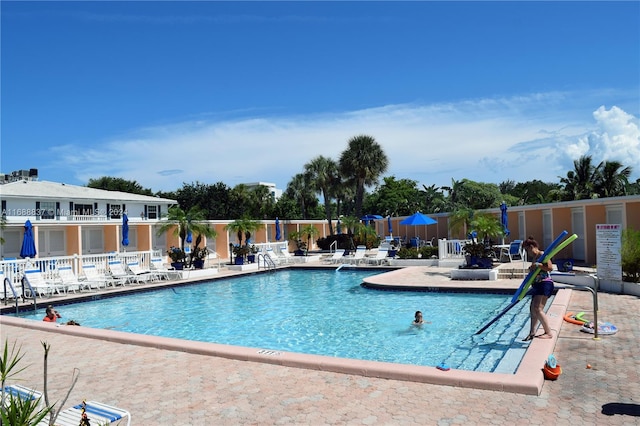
(253, 250)
(178, 257)
(240, 253)
(477, 255)
(242, 228)
(198, 256)
(301, 246)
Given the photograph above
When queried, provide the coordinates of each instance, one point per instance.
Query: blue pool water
(319, 312)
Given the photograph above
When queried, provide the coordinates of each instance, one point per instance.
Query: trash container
(564, 265)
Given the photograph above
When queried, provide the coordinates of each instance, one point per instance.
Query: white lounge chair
(42, 286)
(21, 392)
(359, 255)
(142, 274)
(97, 413)
(11, 291)
(99, 279)
(338, 257)
(286, 256)
(118, 271)
(379, 258)
(70, 280)
(157, 266)
(271, 255)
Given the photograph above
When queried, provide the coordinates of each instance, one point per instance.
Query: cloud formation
(491, 140)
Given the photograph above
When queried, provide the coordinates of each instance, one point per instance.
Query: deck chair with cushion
(142, 274)
(97, 413)
(70, 280)
(274, 257)
(286, 256)
(42, 286)
(157, 266)
(21, 392)
(9, 290)
(93, 275)
(514, 251)
(118, 271)
(379, 258)
(358, 256)
(338, 257)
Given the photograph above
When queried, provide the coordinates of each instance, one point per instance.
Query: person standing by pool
(51, 315)
(540, 291)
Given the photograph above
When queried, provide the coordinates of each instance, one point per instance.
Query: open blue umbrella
(125, 230)
(28, 243)
(389, 226)
(418, 219)
(278, 233)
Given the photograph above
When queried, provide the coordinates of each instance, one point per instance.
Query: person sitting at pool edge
(51, 315)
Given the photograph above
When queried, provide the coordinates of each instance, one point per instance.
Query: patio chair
(379, 258)
(286, 256)
(21, 392)
(141, 274)
(338, 257)
(42, 286)
(157, 266)
(11, 291)
(358, 256)
(271, 255)
(97, 413)
(117, 271)
(94, 276)
(513, 251)
(73, 283)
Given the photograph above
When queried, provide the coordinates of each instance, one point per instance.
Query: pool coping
(528, 378)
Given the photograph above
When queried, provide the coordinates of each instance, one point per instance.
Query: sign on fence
(608, 245)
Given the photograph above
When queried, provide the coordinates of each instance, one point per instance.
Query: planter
(198, 263)
(239, 261)
(480, 262)
(298, 253)
(392, 253)
(178, 266)
(251, 258)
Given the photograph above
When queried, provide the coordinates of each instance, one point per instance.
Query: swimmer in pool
(418, 320)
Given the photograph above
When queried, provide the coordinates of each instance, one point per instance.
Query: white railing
(14, 268)
(451, 249)
(86, 218)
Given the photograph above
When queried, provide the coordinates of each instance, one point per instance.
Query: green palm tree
(298, 190)
(243, 228)
(460, 220)
(309, 231)
(611, 179)
(181, 223)
(579, 182)
(362, 163)
(322, 174)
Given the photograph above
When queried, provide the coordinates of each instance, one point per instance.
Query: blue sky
(171, 92)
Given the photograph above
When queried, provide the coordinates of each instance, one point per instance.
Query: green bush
(630, 254)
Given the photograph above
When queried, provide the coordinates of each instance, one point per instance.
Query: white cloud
(488, 140)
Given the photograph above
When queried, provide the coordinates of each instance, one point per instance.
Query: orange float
(570, 318)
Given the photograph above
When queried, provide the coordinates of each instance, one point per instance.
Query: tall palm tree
(363, 162)
(322, 173)
(182, 223)
(610, 180)
(579, 182)
(309, 231)
(243, 228)
(298, 189)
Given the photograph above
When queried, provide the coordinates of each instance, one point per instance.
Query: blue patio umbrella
(125, 230)
(418, 219)
(278, 233)
(389, 226)
(339, 227)
(28, 243)
(189, 237)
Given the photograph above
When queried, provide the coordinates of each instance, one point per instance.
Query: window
(152, 212)
(115, 211)
(83, 209)
(47, 210)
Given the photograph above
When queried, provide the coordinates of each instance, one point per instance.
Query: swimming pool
(317, 312)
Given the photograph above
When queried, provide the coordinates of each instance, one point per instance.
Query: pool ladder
(267, 262)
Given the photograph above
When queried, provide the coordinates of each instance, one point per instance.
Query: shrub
(630, 255)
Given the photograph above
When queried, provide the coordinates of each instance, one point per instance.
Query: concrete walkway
(161, 387)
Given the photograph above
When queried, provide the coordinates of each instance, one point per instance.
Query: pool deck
(168, 381)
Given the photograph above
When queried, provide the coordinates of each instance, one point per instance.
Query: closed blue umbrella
(125, 230)
(339, 227)
(28, 243)
(504, 219)
(278, 233)
(189, 237)
(389, 226)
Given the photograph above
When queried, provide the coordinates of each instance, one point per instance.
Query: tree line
(353, 185)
